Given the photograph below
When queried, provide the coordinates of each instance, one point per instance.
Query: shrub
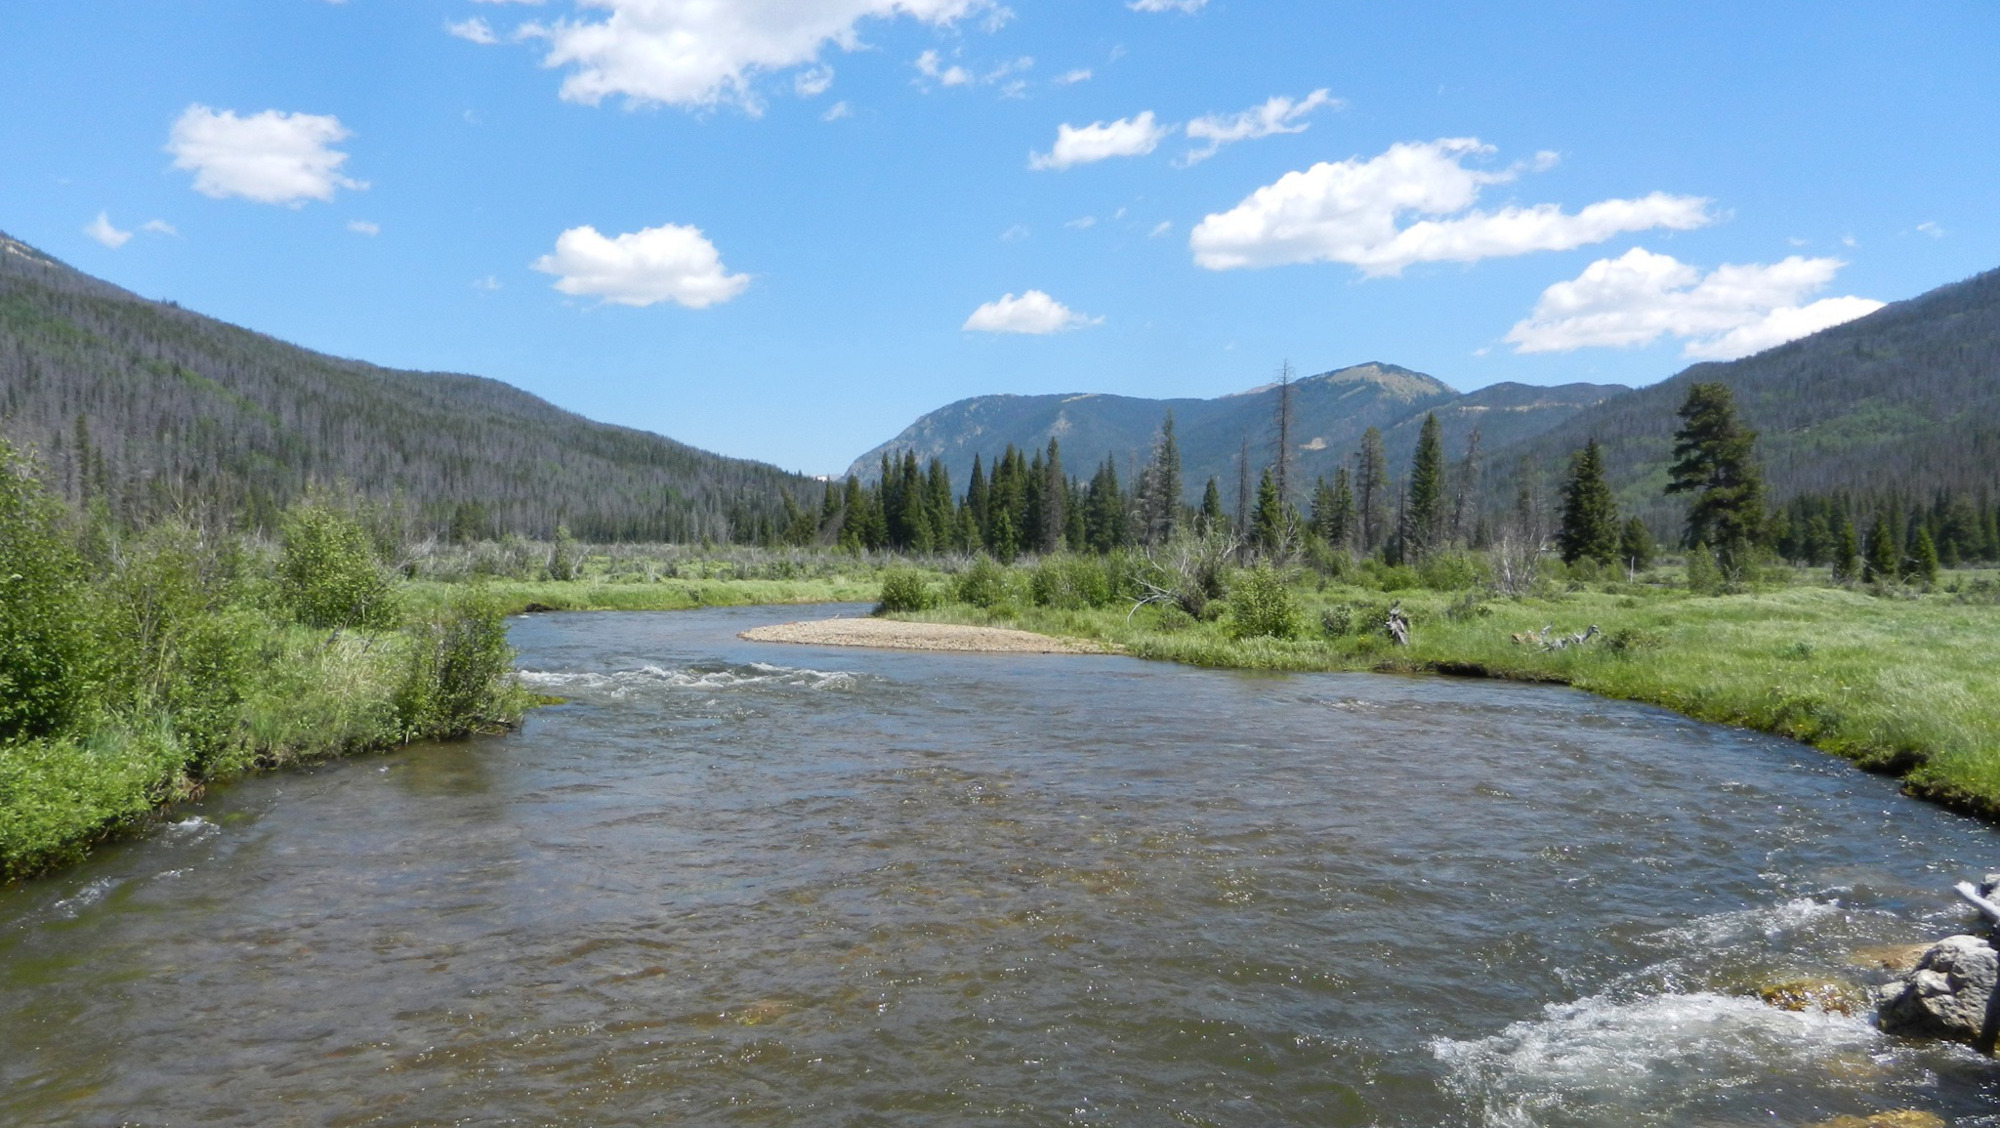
(1069, 583)
(1451, 571)
(1703, 576)
(327, 575)
(982, 585)
(456, 673)
(1261, 605)
(903, 589)
(1336, 621)
(1398, 577)
(46, 643)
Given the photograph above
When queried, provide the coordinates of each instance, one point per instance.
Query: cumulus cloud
(813, 81)
(474, 30)
(701, 53)
(1072, 77)
(1188, 7)
(1034, 313)
(364, 227)
(1278, 115)
(271, 157)
(1353, 212)
(1127, 137)
(159, 227)
(837, 111)
(101, 230)
(655, 264)
(1732, 311)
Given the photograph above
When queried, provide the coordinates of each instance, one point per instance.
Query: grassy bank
(1897, 680)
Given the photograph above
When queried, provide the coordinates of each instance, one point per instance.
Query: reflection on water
(763, 884)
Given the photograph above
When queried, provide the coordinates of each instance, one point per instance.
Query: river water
(742, 883)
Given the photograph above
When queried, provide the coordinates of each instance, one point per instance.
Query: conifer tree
(1635, 546)
(1920, 559)
(1268, 527)
(1211, 518)
(975, 498)
(1589, 513)
(1054, 504)
(1880, 566)
(1105, 523)
(1340, 523)
(1846, 551)
(1371, 491)
(1714, 460)
(1424, 533)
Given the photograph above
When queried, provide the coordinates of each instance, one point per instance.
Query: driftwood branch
(1398, 624)
(1986, 907)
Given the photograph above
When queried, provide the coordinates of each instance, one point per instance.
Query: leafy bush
(1261, 605)
(1398, 577)
(982, 585)
(169, 642)
(1336, 621)
(1703, 576)
(58, 795)
(903, 589)
(1070, 583)
(327, 575)
(457, 670)
(46, 644)
(1452, 571)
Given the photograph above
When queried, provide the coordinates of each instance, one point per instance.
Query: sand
(894, 635)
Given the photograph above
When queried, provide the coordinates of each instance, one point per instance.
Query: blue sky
(783, 230)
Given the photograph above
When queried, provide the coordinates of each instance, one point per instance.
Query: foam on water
(1653, 1058)
(620, 684)
(1771, 922)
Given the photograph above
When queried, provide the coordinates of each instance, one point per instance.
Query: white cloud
(1930, 228)
(474, 30)
(1732, 311)
(837, 111)
(813, 81)
(1186, 6)
(1278, 115)
(1014, 234)
(364, 227)
(1352, 212)
(1082, 223)
(656, 264)
(159, 227)
(1127, 137)
(489, 283)
(1071, 78)
(101, 230)
(931, 66)
(271, 157)
(1033, 312)
(1159, 229)
(701, 52)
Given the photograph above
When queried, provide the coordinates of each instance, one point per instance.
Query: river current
(743, 883)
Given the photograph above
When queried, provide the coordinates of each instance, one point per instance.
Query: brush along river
(741, 882)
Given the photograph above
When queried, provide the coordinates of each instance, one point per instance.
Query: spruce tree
(1635, 546)
(1880, 566)
(1846, 551)
(1212, 518)
(1425, 520)
(1920, 559)
(1371, 490)
(1714, 460)
(1268, 527)
(1589, 513)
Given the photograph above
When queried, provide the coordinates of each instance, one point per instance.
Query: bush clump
(455, 673)
(327, 574)
(982, 585)
(1261, 605)
(46, 640)
(903, 589)
(1070, 583)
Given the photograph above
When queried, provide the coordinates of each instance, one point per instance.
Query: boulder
(1949, 994)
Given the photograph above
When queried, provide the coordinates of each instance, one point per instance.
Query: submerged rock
(1899, 1118)
(1949, 994)
(1809, 994)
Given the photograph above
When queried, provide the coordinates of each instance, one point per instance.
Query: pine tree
(1268, 527)
(1880, 566)
(1371, 490)
(1054, 503)
(1589, 513)
(1104, 518)
(1920, 558)
(1340, 523)
(976, 498)
(1846, 551)
(1160, 487)
(1635, 546)
(1425, 523)
(1714, 460)
(1211, 519)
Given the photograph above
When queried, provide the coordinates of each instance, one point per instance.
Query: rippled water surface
(747, 883)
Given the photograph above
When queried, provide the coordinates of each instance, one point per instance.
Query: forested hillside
(1329, 414)
(150, 408)
(1901, 404)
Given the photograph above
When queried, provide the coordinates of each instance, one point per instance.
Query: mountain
(1904, 401)
(1329, 413)
(151, 406)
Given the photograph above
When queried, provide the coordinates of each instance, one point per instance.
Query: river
(743, 883)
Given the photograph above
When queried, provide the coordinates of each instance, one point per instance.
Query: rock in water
(1949, 994)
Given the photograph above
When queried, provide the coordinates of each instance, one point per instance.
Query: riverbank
(1903, 684)
(899, 634)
